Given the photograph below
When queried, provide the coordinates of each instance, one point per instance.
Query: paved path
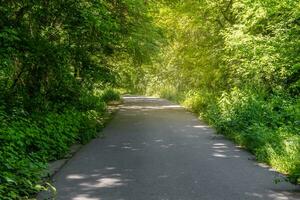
(155, 150)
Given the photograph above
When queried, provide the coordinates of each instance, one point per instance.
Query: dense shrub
(267, 126)
(197, 102)
(54, 55)
(110, 94)
(28, 142)
(92, 102)
(168, 93)
(236, 64)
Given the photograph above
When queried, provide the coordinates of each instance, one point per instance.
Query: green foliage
(166, 92)
(92, 102)
(236, 64)
(54, 56)
(197, 102)
(265, 126)
(52, 51)
(110, 94)
(91, 124)
(28, 143)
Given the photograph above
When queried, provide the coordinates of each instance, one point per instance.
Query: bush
(28, 142)
(110, 94)
(22, 166)
(91, 123)
(170, 93)
(265, 125)
(92, 102)
(197, 101)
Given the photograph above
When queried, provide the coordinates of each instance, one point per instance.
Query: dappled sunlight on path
(155, 150)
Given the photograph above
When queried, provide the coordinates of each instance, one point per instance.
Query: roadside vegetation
(235, 63)
(58, 71)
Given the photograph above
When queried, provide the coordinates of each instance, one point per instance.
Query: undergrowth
(266, 125)
(30, 141)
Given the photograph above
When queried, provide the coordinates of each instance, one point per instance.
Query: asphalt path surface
(156, 150)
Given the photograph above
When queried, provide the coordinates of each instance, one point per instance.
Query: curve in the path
(155, 150)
